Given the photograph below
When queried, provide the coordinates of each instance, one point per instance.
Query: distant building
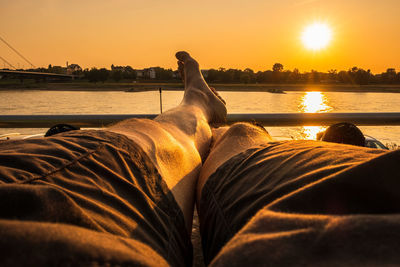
(149, 73)
(73, 68)
(152, 73)
(139, 73)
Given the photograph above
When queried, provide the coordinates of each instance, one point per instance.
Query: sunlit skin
(313, 102)
(316, 36)
(177, 140)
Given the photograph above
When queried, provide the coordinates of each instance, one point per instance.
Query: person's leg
(214, 201)
(263, 202)
(178, 140)
(229, 141)
(122, 195)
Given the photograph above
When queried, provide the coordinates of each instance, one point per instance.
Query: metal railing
(266, 119)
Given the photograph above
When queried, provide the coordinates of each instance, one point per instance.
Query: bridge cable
(18, 53)
(8, 63)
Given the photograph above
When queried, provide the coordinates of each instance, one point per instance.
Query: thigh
(257, 178)
(94, 192)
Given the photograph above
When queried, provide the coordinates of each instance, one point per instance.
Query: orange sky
(219, 33)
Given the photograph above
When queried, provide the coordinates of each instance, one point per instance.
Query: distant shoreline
(143, 87)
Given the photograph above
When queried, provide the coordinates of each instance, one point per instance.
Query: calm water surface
(66, 102)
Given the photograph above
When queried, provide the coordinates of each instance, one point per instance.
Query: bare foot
(197, 92)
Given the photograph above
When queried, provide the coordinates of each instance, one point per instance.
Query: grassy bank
(138, 87)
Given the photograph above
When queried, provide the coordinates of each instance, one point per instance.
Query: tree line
(277, 74)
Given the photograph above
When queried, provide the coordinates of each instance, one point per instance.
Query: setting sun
(316, 36)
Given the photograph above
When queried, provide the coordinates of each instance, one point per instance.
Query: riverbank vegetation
(276, 75)
(276, 79)
(279, 75)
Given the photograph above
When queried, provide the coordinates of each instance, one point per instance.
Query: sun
(316, 36)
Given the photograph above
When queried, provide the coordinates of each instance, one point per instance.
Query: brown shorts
(86, 198)
(303, 203)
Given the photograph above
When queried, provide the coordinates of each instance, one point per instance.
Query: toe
(182, 56)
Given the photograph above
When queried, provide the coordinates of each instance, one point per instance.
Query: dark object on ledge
(60, 128)
(343, 133)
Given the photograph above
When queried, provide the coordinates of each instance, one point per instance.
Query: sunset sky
(219, 33)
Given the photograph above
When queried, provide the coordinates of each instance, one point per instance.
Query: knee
(246, 129)
(239, 131)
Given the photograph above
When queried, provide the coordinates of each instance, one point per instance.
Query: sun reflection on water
(313, 102)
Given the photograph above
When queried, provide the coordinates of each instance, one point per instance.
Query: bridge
(34, 75)
(27, 74)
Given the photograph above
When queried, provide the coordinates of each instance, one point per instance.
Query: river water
(20, 102)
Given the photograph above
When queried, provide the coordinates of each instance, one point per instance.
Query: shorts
(303, 203)
(87, 198)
